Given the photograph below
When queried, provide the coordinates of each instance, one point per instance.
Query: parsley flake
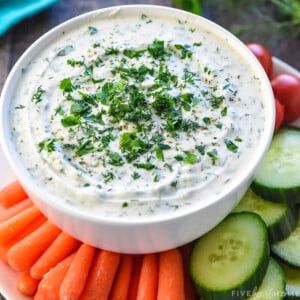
(37, 96)
(92, 30)
(48, 144)
(231, 146)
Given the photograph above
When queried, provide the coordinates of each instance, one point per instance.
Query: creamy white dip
(131, 115)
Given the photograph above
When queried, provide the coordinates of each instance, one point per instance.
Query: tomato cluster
(286, 87)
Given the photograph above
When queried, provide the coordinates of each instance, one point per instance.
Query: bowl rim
(50, 36)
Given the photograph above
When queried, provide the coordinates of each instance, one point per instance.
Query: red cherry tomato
(286, 89)
(279, 108)
(263, 55)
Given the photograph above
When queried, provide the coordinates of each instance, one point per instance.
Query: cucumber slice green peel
(289, 249)
(273, 284)
(280, 218)
(278, 177)
(230, 261)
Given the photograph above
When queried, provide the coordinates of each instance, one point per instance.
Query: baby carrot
(101, 276)
(23, 254)
(13, 225)
(15, 209)
(147, 288)
(62, 246)
(21, 235)
(11, 194)
(49, 286)
(189, 290)
(27, 285)
(119, 290)
(135, 276)
(75, 279)
(170, 276)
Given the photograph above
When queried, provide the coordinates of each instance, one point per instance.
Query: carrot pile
(53, 265)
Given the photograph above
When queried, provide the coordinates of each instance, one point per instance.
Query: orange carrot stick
(147, 288)
(11, 194)
(135, 277)
(119, 290)
(62, 246)
(27, 285)
(49, 286)
(189, 290)
(12, 226)
(75, 279)
(21, 235)
(170, 276)
(15, 209)
(23, 254)
(101, 276)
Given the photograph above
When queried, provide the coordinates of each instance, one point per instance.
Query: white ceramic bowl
(157, 232)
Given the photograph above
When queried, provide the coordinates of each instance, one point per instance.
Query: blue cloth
(13, 11)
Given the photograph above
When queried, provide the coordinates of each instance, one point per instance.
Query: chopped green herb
(191, 158)
(66, 85)
(80, 108)
(135, 175)
(132, 146)
(231, 146)
(70, 121)
(179, 157)
(20, 106)
(92, 30)
(226, 86)
(157, 50)
(206, 120)
(146, 166)
(85, 148)
(59, 110)
(185, 50)
(131, 53)
(37, 96)
(213, 154)
(174, 183)
(115, 159)
(159, 153)
(48, 144)
(224, 111)
(111, 51)
(201, 149)
(73, 62)
(216, 101)
(144, 16)
(197, 44)
(108, 176)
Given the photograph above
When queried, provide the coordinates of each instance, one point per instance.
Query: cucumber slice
(278, 177)
(230, 261)
(292, 278)
(289, 249)
(280, 218)
(273, 284)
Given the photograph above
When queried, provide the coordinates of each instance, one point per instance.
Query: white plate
(7, 276)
